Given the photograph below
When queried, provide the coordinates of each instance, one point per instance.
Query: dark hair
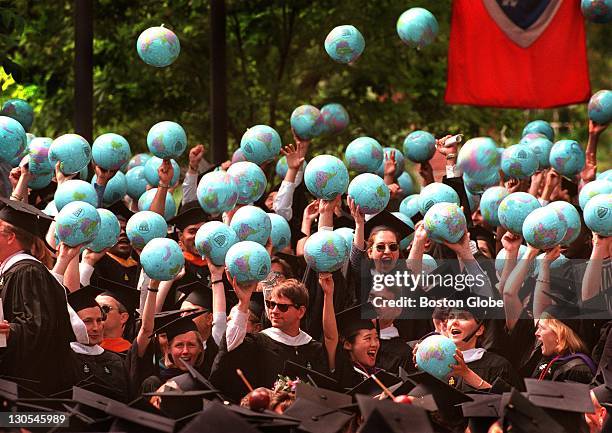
(293, 290)
(286, 268)
(378, 229)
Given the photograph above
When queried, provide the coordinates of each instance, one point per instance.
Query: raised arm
(165, 173)
(284, 198)
(218, 301)
(310, 214)
(540, 300)
(148, 319)
(515, 281)
(591, 281)
(415, 257)
(590, 167)
(190, 183)
(330, 329)
(236, 327)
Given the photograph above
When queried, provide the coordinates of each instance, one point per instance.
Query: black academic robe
(111, 269)
(393, 354)
(574, 369)
(490, 367)
(38, 347)
(106, 369)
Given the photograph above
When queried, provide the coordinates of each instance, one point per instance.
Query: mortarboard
(129, 419)
(217, 418)
(351, 321)
(180, 325)
(387, 219)
(197, 293)
(519, 414)
(387, 416)
(164, 317)
(25, 216)
(85, 297)
(445, 396)
(191, 213)
(197, 380)
(370, 387)
(482, 412)
(179, 404)
(316, 418)
(322, 396)
(125, 295)
(295, 370)
(344, 221)
(121, 210)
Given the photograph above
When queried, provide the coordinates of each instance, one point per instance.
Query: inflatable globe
(419, 146)
(399, 162)
(369, 192)
(514, 209)
(335, 118)
(167, 140)
(519, 162)
(29, 137)
(473, 200)
(77, 223)
(539, 127)
(417, 27)
(281, 167)
(406, 184)
(13, 139)
(248, 261)
(217, 192)
(436, 193)
(144, 226)
(364, 155)
(252, 224)
(543, 228)
(307, 122)
(250, 180)
(72, 151)
(238, 156)
(528, 138)
(325, 251)
(162, 259)
(110, 151)
(280, 233)
(404, 243)
(109, 231)
(115, 190)
(500, 259)
(435, 356)
(556, 264)
(260, 143)
(479, 184)
(344, 44)
(136, 182)
(410, 207)
(429, 263)
(151, 167)
(19, 110)
(478, 157)
(75, 190)
(213, 239)
(40, 181)
(567, 158)
(489, 204)
(600, 107)
(597, 11)
(38, 149)
(347, 234)
(145, 200)
(591, 189)
(598, 214)
(445, 222)
(84, 173)
(158, 46)
(606, 175)
(140, 159)
(326, 177)
(571, 217)
(541, 146)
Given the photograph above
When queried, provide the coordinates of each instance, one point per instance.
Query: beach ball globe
(519, 162)
(556, 264)
(600, 107)
(144, 226)
(543, 228)
(19, 110)
(478, 156)
(307, 122)
(325, 251)
(541, 146)
(29, 137)
(136, 182)
(597, 11)
(429, 264)
(598, 214)
(145, 200)
(364, 155)
(436, 193)
(38, 149)
(347, 234)
(13, 140)
(591, 189)
(344, 44)
(500, 259)
(77, 223)
(167, 140)
(260, 143)
(417, 27)
(281, 167)
(369, 192)
(436, 355)
(410, 207)
(248, 261)
(568, 213)
(404, 243)
(217, 192)
(479, 184)
(326, 177)
(213, 240)
(514, 209)
(140, 159)
(473, 200)
(151, 167)
(529, 137)
(252, 224)
(158, 46)
(280, 232)
(419, 146)
(250, 180)
(335, 118)
(110, 151)
(567, 158)
(606, 175)
(162, 259)
(40, 181)
(75, 190)
(72, 151)
(238, 156)
(399, 162)
(539, 127)
(108, 234)
(115, 190)
(406, 184)
(489, 204)
(445, 222)
(84, 173)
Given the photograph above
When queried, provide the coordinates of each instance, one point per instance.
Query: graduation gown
(113, 270)
(106, 369)
(572, 368)
(490, 367)
(393, 354)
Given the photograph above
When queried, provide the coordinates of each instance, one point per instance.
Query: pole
(83, 68)
(218, 81)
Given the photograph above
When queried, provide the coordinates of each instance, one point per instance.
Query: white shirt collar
(388, 333)
(278, 335)
(472, 355)
(83, 349)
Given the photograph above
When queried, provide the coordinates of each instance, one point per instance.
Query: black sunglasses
(382, 247)
(283, 308)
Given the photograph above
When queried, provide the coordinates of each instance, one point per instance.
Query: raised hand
(552, 254)
(294, 153)
(165, 173)
(312, 210)
(328, 206)
(596, 128)
(61, 177)
(196, 153)
(389, 164)
(326, 281)
(395, 191)
(462, 247)
(243, 290)
(511, 242)
(356, 212)
(444, 150)
(426, 172)
(102, 175)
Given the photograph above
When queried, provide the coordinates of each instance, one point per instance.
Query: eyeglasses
(283, 308)
(382, 247)
(106, 308)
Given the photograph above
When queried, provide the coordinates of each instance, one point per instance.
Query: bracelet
(161, 185)
(216, 282)
(542, 281)
(16, 197)
(480, 384)
(152, 290)
(451, 156)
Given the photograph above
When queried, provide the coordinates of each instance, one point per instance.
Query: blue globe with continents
(347, 234)
(500, 259)
(108, 234)
(248, 261)
(238, 156)
(539, 127)
(280, 232)
(478, 157)
(399, 161)
(326, 177)
(543, 228)
(217, 192)
(556, 264)
(598, 214)
(167, 140)
(38, 149)
(40, 181)
(77, 223)
(528, 138)
(436, 193)
(151, 167)
(110, 151)
(473, 200)
(213, 240)
(410, 207)
(479, 184)
(162, 259)
(75, 190)
(84, 173)
(606, 175)
(335, 118)
(445, 222)
(260, 143)
(252, 224)
(13, 140)
(19, 110)
(489, 204)
(567, 158)
(519, 162)
(406, 184)
(307, 122)
(144, 226)
(136, 182)
(429, 263)
(29, 137)
(591, 189)
(369, 192)
(140, 159)
(600, 107)
(364, 155)
(250, 181)
(72, 152)
(541, 146)
(344, 44)
(569, 214)
(404, 243)
(145, 200)
(281, 167)
(597, 11)
(514, 209)
(436, 355)
(325, 251)
(419, 146)
(158, 46)
(417, 27)
(115, 190)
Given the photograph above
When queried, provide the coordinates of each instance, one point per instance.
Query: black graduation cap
(445, 396)
(129, 419)
(522, 415)
(191, 213)
(371, 388)
(316, 418)
(387, 416)
(351, 321)
(125, 295)
(25, 216)
(179, 404)
(217, 418)
(320, 380)
(162, 318)
(197, 381)
(322, 396)
(386, 218)
(121, 210)
(179, 326)
(85, 297)
(482, 412)
(196, 293)
(344, 221)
